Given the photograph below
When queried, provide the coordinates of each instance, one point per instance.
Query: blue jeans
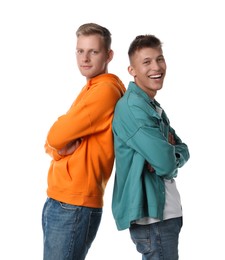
(68, 230)
(157, 241)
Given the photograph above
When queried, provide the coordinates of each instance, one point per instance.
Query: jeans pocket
(141, 238)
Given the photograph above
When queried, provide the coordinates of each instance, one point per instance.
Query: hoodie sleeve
(90, 115)
(52, 152)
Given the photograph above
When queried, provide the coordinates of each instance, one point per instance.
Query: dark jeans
(157, 241)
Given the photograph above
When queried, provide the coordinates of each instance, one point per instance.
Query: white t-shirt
(172, 209)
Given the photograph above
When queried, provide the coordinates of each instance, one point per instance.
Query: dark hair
(93, 28)
(143, 41)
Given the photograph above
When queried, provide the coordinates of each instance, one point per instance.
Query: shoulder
(132, 101)
(107, 84)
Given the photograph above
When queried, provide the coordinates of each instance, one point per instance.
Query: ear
(110, 55)
(131, 71)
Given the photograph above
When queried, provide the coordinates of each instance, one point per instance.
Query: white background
(39, 80)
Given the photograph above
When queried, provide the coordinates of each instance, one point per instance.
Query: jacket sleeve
(90, 115)
(148, 139)
(181, 149)
(153, 146)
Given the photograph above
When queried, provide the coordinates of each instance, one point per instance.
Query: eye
(94, 52)
(147, 62)
(161, 59)
(79, 51)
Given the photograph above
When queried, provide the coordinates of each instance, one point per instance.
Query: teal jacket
(141, 136)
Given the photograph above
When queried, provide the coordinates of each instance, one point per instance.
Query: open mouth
(157, 76)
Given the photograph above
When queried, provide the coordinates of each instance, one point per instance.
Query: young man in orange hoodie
(80, 143)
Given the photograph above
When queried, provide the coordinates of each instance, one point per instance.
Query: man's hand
(171, 139)
(70, 147)
(150, 168)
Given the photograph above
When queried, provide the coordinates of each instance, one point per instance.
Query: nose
(155, 65)
(85, 56)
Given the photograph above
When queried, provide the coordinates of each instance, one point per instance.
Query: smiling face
(148, 67)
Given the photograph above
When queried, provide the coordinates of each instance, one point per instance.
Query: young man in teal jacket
(148, 154)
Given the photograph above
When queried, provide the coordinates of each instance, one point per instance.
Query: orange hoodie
(80, 178)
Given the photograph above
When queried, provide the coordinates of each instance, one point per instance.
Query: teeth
(155, 76)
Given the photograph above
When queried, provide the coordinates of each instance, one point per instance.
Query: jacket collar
(133, 87)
